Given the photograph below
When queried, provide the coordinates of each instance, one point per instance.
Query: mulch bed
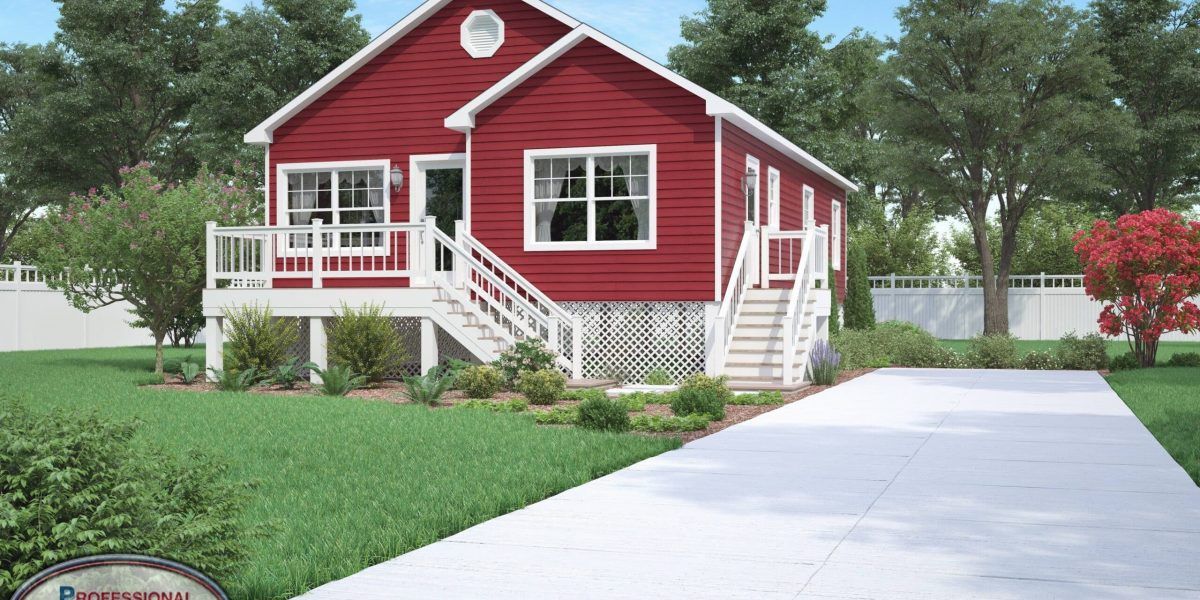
(392, 391)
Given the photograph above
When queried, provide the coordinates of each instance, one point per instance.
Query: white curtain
(308, 201)
(640, 186)
(544, 216)
(375, 199)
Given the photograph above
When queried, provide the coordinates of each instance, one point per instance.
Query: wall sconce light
(397, 178)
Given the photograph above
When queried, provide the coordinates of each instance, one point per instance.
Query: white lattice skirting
(628, 340)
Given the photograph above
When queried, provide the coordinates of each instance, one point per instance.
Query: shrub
(659, 376)
(1087, 353)
(515, 405)
(559, 415)
(835, 311)
(603, 414)
(527, 355)
(994, 351)
(860, 349)
(1125, 362)
(365, 341)
(429, 388)
(291, 372)
(479, 381)
(702, 395)
(1184, 359)
(257, 340)
(455, 367)
(860, 307)
(757, 399)
(542, 387)
(892, 343)
(661, 424)
(78, 485)
(235, 381)
(824, 364)
(1040, 361)
(338, 381)
(189, 371)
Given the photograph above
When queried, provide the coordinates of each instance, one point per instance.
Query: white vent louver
(482, 33)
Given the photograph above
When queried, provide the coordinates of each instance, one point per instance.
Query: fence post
(318, 254)
(1042, 307)
(892, 288)
(210, 253)
(17, 303)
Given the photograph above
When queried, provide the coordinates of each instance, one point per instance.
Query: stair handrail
(740, 280)
(797, 300)
(550, 307)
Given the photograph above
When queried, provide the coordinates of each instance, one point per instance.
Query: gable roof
(464, 118)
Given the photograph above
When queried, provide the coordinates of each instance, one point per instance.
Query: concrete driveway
(901, 484)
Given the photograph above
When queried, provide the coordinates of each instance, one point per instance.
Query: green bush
(559, 415)
(1125, 362)
(527, 355)
(1040, 361)
(255, 339)
(702, 395)
(1087, 353)
(1184, 359)
(365, 341)
(756, 399)
(994, 351)
(542, 387)
(515, 405)
(189, 371)
(79, 484)
(429, 388)
(860, 307)
(635, 402)
(291, 372)
(892, 343)
(479, 381)
(338, 381)
(603, 414)
(658, 376)
(661, 424)
(235, 381)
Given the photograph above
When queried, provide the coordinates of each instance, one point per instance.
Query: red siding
(593, 96)
(736, 144)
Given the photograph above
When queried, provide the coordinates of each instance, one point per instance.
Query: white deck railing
(741, 278)
(807, 273)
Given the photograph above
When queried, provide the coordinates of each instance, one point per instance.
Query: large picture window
(353, 194)
(590, 198)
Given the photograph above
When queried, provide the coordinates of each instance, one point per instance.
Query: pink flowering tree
(1145, 268)
(143, 243)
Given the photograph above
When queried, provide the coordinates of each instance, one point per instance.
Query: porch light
(397, 178)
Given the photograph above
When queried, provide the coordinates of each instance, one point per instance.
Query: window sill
(589, 246)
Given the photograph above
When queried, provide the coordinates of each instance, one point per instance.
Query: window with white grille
(482, 33)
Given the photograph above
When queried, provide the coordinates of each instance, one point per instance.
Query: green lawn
(1167, 400)
(1115, 347)
(346, 483)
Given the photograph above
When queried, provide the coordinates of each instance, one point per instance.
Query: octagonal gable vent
(482, 34)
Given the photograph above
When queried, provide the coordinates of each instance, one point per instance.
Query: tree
(1144, 267)
(1046, 243)
(143, 243)
(895, 243)
(1154, 47)
(860, 307)
(994, 102)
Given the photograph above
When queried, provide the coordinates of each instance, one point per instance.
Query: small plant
(542, 387)
(365, 341)
(633, 402)
(756, 399)
(824, 364)
(702, 395)
(559, 415)
(288, 374)
(527, 355)
(429, 388)
(189, 371)
(255, 339)
(338, 380)
(515, 405)
(603, 414)
(661, 424)
(1184, 359)
(1040, 361)
(228, 380)
(479, 381)
(659, 376)
(1087, 353)
(993, 351)
(1125, 362)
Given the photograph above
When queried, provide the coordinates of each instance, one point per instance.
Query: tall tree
(992, 103)
(1154, 47)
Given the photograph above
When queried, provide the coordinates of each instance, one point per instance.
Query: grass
(1167, 401)
(1115, 347)
(344, 483)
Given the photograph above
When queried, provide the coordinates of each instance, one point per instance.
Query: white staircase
(755, 356)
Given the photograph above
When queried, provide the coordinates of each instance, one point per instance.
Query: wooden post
(210, 253)
(576, 348)
(764, 257)
(715, 344)
(430, 249)
(17, 305)
(1042, 307)
(460, 267)
(268, 260)
(429, 348)
(214, 346)
(318, 347)
(318, 254)
(552, 335)
(789, 347)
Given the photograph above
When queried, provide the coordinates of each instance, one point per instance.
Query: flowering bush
(1144, 268)
(825, 363)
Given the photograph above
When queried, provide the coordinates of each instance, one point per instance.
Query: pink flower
(144, 216)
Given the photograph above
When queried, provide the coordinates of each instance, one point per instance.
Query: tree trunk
(158, 352)
(995, 298)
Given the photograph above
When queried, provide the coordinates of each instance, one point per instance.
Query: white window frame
(809, 208)
(752, 164)
(531, 243)
(774, 198)
(835, 236)
(282, 218)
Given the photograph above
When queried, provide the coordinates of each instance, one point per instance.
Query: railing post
(789, 347)
(430, 248)
(460, 266)
(318, 254)
(751, 264)
(1042, 308)
(17, 305)
(552, 340)
(576, 348)
(715, 344)
(764, 257)
(268, 260)
(210, 253)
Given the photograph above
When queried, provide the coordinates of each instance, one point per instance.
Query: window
(750, 189)
(773, 199)
(809, 218)
(350, 195)
(590, 198)
(836, 236)
(482, 34)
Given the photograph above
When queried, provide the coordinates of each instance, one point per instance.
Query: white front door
(437, 189)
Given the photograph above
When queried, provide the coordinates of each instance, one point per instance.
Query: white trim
(281, 188)
(753, 163)
(531, 245)
(418, 164)
(719, 206)
(808, 206)
(465, 34)
(467, 186)
(835, 237)
(774, 199)
(267, 186)
(262, 133)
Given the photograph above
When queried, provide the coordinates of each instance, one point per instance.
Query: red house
(493, 170)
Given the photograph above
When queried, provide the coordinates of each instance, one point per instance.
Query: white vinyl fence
(35, 317)
(1040, 307)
